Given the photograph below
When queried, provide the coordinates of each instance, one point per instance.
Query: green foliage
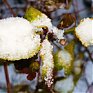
(32, 14)
(67, 55)
(70, 48)
(60, 61)
(71, 30)
(34, 66)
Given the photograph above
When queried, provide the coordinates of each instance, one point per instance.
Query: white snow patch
(84, 32)
(17, 39)
(45, 21)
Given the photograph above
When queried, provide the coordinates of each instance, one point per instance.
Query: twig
(9, 7)
(89, 54)
(18, 6)
(7, 78)
(57, 45)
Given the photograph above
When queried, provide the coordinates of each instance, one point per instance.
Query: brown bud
(31, 76)
(63, 42)
(67, 21)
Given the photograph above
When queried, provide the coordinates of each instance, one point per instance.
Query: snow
(17, 39)
(42, 21)
(47, 62)
(84, 31)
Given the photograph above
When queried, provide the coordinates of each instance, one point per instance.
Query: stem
(9, 7)
(56, 45)
(89, 54)
(7, 78)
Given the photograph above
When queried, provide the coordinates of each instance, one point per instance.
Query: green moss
(32, 14)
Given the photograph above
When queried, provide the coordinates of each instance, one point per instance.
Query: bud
(63, 42)
(34, 66)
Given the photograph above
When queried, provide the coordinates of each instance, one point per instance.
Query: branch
(89, 54)
(9, 7)
(7, 78)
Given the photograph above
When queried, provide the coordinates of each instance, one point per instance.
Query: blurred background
(81, 8)
(54, 9)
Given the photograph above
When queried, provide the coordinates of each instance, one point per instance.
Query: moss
(32, 14)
